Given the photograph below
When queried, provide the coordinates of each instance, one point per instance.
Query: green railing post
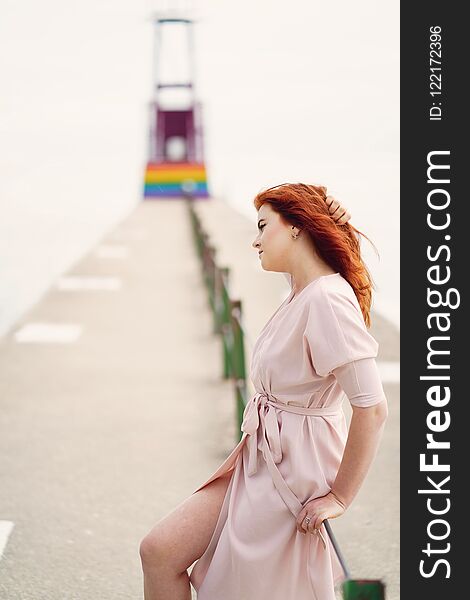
(238, 359)
(212, 274)
(218, 283)
(226, 325)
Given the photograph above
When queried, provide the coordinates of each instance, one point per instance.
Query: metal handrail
(227, 313)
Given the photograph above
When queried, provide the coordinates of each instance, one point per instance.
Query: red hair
(304, 207)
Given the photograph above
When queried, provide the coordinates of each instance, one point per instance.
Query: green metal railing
(227, 313)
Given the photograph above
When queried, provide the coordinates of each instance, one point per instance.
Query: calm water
(310, 96)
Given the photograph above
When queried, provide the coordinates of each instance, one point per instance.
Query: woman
(255, 526)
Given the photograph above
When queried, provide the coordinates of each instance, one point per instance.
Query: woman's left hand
(338, 212)
(319, 509)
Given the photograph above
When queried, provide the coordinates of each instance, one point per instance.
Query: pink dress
(294, 433)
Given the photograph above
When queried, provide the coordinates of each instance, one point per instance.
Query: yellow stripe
(173, 177)
(165, 169)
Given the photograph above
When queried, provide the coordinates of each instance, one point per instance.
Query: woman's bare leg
(179, 539)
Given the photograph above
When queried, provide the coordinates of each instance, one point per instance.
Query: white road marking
(389, 371)
(112, 251)
(6, 528)
(130, 235)
(62, 333)
(76, 282)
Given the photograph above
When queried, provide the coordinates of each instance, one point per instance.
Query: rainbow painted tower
(175, 166)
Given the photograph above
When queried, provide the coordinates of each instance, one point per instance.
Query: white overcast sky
(292, 91)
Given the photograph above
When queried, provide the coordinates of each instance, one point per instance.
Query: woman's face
(274, 240)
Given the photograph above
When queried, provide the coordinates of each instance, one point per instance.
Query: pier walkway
(113, 409)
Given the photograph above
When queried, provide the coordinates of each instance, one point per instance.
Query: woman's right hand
(339, 213)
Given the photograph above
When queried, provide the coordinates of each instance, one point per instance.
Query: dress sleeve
(335, 331)
(360, 380)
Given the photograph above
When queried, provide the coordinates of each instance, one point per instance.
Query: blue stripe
(168, 188)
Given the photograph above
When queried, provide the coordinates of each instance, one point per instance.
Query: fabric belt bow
(261, 410)
(260, 407)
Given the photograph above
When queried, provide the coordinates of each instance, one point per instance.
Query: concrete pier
(113, 409)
